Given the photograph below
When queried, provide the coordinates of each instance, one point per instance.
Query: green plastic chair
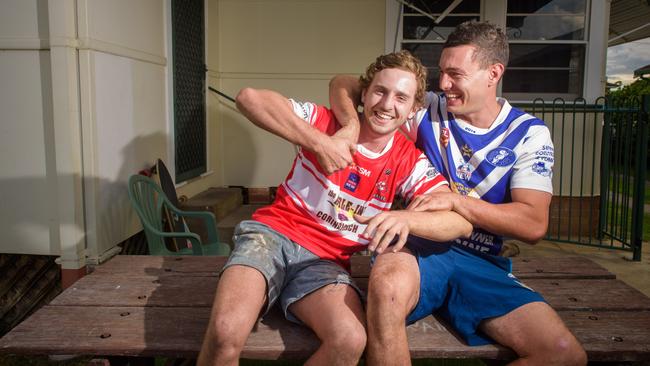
(148, 201)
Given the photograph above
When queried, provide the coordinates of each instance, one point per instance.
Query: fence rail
(601, 152)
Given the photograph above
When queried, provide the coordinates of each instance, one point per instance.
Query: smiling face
(468, 86)
(388, 101)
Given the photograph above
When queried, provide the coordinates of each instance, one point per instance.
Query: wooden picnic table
(159, 306)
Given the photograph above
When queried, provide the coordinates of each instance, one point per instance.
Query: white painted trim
(118, 50)
(103, 257)
(393, 29)
(596, 51)
(206, 92)
(26, 43)
(169, 102)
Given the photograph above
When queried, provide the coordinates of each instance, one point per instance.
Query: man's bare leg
(235, 310)
(538, 335)
(335, 314)
(393, 292)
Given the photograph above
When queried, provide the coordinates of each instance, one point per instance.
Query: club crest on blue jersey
(501, 156)
(540, 168)
(464, 171)
(467, 151)
(352, 182)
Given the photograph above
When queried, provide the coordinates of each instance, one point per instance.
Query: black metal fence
(601, 152)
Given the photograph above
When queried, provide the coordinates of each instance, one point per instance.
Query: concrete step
(226, 226)
(221, 201)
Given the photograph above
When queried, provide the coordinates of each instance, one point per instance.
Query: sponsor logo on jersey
(352, 182)
(444, 137)
(501, 156)
(461, 189)
(464, 171)
(540, 168)
(346, 208)
(545, 154)
(381, 186)
(467, 151)
(468, 129)
(363, 171)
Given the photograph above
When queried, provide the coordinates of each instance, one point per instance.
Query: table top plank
(178, 332)
(179, 291)
(523, 267)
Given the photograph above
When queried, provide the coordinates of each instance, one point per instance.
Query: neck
(485, 117)
(371, 140)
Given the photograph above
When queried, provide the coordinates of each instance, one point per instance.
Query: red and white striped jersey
(316, 211)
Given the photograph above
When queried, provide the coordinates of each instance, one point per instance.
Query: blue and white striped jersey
(515, 152)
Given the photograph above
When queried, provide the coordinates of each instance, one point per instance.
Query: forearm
(438, 225)
(345, 96)
(518, 220)
(272, 112)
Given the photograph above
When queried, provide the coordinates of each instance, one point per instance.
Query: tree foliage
(635, 90)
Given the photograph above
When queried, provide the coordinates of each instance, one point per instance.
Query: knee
(564, 351)
(570, 351)
(349, 341)
(389, 289)
(226, 336)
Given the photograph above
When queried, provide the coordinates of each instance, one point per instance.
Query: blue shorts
(291, 271)
(465, 287)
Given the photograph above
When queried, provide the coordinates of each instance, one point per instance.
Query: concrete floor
(635, 274)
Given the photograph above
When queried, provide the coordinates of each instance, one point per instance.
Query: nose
(385, 102)
(444, 82)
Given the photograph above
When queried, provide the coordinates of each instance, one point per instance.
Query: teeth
(383, 116)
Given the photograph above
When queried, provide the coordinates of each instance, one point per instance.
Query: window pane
(544, 55)
(421, 27)
(543, 81)
(438, 6)
(546, 6)
(429, 55)
(546, 27)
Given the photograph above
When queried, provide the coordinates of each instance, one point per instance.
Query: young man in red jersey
(297, 250)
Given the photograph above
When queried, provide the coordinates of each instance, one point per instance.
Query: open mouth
(383, 117)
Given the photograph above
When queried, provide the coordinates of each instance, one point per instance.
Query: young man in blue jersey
(498, 161)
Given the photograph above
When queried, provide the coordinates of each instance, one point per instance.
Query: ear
(495, 72)
(363, 96)
(414, 110)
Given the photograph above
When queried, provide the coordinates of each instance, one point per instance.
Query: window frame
(594, 56)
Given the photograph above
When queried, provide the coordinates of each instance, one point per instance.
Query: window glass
(438, 6)
(546, 19)
(547, 6)
(424, 28)
(429, 54)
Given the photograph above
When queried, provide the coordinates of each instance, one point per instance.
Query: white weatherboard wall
(123, 87)
(293, 47)
(27, 172)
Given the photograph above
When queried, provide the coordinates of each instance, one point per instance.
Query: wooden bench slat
(178, 332)
(169, 291)
(148, 265)
(598, 294)
(523, 267)
(559, 267)
(178, 291)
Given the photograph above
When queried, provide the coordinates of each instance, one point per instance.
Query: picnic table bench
(159, 306)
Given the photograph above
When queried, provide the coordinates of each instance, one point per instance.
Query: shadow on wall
(35, 214)
(239, 153)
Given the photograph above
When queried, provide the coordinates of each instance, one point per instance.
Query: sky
(623, 59)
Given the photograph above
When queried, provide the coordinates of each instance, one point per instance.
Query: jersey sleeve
(305, 110)
(534, 167)
(410, 128)
(423, 178)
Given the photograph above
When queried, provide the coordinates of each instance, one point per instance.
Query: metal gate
(601, 153)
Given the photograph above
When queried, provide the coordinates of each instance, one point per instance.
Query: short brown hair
(489, 40)
(398, 60)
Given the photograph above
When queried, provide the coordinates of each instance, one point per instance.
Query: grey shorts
(291, 271)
